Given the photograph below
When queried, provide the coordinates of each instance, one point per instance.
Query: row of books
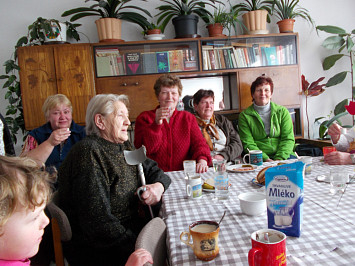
(112, 62)
(246, 55)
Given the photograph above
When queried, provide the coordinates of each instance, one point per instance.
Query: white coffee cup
(194, 187)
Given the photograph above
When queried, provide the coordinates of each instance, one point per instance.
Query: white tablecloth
(328, 232)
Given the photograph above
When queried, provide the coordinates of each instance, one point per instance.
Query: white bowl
(252, 203)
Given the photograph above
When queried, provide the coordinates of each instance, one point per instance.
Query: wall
(16, 15)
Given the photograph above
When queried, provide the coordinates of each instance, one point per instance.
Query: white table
(328, 231)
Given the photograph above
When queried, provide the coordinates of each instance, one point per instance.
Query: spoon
(222, 218)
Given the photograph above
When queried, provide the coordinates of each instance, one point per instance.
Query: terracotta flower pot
(153, 31)
(215, 30)
(255, 21)
(286, 25)
(109, 29)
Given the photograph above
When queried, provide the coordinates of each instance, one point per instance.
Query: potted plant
(152, 31)
(217, 22)
(287, 11)
(256, 16)
(184, 15)
(46, 30)
(111, 13)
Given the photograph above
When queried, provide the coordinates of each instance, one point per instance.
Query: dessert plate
(238, 168)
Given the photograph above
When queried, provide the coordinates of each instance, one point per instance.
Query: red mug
(268, 248)
(328, 149)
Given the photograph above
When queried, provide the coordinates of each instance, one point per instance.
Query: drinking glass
(338, 180)
(221, 182)
(189, 168)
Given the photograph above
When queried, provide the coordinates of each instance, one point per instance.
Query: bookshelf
(249, 52)
(150, 58)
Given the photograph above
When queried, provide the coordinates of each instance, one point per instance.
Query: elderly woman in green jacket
(265, 125)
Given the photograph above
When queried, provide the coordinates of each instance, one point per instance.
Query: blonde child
(24, 193)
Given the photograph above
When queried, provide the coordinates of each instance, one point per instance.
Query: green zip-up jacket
(279, 144)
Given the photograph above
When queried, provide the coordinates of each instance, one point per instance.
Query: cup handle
(188, 190)
(245, 157)
(251, 255)
(187, 241)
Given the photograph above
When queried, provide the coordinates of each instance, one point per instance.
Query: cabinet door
(139, 89)
(38, 81)
(286, 85)
(74, 71)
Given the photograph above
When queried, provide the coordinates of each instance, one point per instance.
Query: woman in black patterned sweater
(97, 187)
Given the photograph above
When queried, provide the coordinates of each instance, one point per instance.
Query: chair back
(61, 229)
(153, 238)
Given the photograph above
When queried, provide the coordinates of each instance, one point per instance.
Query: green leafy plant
(228, 19)
(151, 26)
(339, 111)
(252, 5)
(220, 15)
(110, 9)
(343, 43)
(35, 36)
(14, 112)
(175, 8)
(289, 9)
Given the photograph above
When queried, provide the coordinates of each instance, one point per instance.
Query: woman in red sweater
(171, 136)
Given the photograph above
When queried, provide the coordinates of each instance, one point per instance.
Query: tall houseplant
(184, 15)
(111, 13)
(343, 43)
(286, 11)
(256, 15)
(36, 35)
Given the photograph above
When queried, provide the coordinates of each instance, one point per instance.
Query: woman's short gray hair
(101, 104)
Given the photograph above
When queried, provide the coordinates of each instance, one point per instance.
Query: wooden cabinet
(51, 69)
(139, 90)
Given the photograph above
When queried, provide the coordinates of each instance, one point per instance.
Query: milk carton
(284, 197)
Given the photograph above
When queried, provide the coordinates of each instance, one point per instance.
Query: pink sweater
(171, 143)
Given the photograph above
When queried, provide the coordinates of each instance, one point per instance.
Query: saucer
(153, 37)
(208, 190)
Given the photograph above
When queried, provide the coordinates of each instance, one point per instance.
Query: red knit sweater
(171, 143)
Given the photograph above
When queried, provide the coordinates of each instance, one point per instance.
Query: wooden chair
(61, 229)
(153, 238)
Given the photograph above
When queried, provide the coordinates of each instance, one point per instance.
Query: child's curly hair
(22, 183)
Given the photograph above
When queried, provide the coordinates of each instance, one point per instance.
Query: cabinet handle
(61, 79)
(51, 79)
(124, 84)
(137, 83)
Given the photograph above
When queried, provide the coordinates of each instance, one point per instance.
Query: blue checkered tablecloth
(328, 231)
